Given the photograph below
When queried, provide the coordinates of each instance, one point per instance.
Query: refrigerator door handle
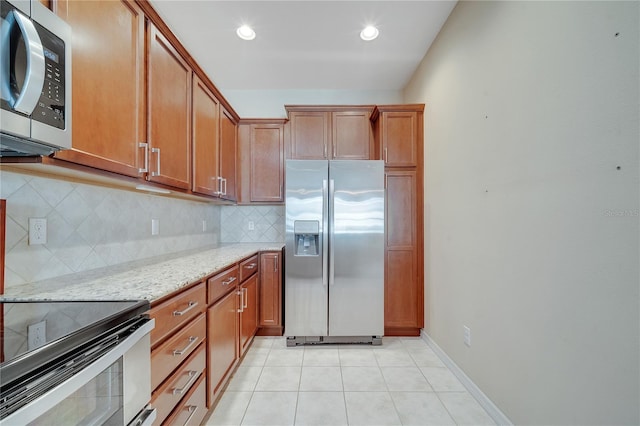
(325, 234)
(331, 230)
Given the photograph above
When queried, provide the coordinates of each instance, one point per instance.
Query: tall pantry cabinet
(399, 139)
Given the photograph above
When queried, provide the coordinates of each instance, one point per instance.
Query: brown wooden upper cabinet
(397, 134)
(228, 154)
(169, 102)
(108, 76)
(206, 125)
(261, 160)
(330, 132)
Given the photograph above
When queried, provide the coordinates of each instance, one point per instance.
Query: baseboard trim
(496, 414)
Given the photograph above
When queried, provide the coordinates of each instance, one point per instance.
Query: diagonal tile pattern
(401, 382)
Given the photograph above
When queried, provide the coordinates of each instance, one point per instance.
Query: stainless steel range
(77, 362)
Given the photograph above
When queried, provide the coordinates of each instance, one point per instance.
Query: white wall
(531, 205)
(270, 103)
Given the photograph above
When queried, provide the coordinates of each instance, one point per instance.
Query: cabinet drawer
(177, 311)
(169, 394)
(166, 357)
(248, 267)
(193, 409)
(221, 284)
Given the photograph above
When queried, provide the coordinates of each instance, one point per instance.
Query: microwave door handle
(34, 78)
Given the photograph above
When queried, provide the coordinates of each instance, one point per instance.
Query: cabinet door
(169, 94)
(267, 162)
(228, 150)
(249, 312)
(403, 291)
(400, 138)
(271, 291)
(351, 135)
(108, 84)
(205, 139)
(310, 133)
(222, 341)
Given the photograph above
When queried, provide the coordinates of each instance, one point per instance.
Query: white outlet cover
(155, 226)
(467, 335)
(37, 230)
(251, 225)
(204, 226)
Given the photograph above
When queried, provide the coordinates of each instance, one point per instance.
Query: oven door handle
(54, 396)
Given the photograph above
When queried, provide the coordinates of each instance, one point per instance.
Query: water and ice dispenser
(307, 237)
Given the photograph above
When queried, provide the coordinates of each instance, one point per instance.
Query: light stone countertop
(148, 279)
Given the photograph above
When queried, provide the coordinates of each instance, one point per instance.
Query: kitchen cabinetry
(228, 154)
(222, 335)
(194, 407)
(261, 161)
(108, 85)
(206, 125)
(169, 110)
(398, 135)
(248, 292)
(178, 355)
(330, 132)
(270, 318)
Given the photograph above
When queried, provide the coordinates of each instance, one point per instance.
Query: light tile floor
(401, 382)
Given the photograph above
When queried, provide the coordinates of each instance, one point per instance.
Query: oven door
(113, 390)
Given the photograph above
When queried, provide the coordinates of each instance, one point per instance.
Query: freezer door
(356, 244)
(306, 284)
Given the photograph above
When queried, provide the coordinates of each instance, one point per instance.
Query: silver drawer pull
(229, 281)
(193, 375)
(192, 340)
(192, 409)
(191, 305)
(250, 266)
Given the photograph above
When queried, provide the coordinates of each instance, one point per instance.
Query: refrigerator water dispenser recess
(306, 237)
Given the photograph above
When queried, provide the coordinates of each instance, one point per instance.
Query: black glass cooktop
(37, 330)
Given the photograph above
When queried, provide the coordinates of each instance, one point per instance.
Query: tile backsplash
(93, 226)
(267, 221)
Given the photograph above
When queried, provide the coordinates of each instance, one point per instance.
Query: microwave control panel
(51, 105)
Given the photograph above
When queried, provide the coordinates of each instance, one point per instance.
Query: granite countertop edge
(148, 279)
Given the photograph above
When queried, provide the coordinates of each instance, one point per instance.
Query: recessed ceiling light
(246, 33)
(369, 33)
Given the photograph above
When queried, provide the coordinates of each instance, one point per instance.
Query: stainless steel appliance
(67, 363)
(334, 279)
(35, 78)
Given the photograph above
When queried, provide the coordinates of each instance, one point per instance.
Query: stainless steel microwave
(35, 77)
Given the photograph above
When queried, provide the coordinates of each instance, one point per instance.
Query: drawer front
(177, 311)
(193, 409)
(221, 284)
(169, 394)
(170, 354)
(248, 268)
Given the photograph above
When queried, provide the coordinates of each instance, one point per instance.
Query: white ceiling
(306, 45)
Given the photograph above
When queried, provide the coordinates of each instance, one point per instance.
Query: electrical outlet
(251, 225)
(204, 226)
(37, 230)
(37, 335)
(467, 335)
(155, 226)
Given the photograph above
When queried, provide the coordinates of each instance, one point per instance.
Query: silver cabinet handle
(275, 263)
(193, 375)
(192, 340)
(250, 266)
(224, 181)
(241, 294)
(192, 409)
(144, 145)
(189, 307)
(385, 155)
(156, 151)
(325, 150)
(26, 101)
(245, 298)
(229, 281)
(217, 191)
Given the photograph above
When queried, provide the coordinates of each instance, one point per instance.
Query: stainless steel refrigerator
(334, 279)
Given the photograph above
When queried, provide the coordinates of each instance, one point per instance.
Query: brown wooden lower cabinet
(222, 341)
(193, 408)
(270, 319)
